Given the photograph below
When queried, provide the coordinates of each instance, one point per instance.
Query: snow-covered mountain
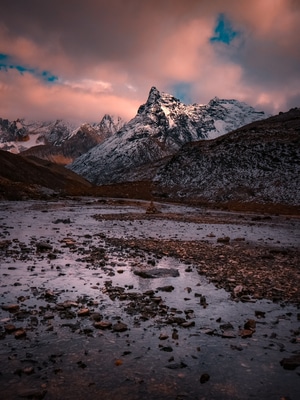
(20, 135)
(160, 128)
(257, 163)
(58, 141)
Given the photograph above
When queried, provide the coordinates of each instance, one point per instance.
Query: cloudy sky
(79, 59)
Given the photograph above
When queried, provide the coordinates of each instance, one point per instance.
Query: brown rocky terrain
(22, 177)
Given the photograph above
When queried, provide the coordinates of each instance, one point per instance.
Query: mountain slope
(259, 162)
(162, 125)
(30, 177)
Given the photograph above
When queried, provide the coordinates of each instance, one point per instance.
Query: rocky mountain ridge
(160, 128)
(57, 141)
(259, 162)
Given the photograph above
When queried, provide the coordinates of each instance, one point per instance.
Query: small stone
(245, 333)
(20, 333)
(9, 328)
(163, 336)
(96, 316)
(188, 324)
(291, 363)
(120, 327)
(250, 324)
(228, 335)
(151, 209)
(175, 335)
(102, 325)
(11, 308)
(260, 314)
(204, 378)
(49, 294)
(166, 348)
(28, 370)
(225, 239)
(176, 365)
(168, 288)
(226, 327)
(84, 312)
(43, 246)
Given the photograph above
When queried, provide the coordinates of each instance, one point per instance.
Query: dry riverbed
(116, 299)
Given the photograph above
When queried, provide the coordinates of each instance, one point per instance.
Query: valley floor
(122, 298)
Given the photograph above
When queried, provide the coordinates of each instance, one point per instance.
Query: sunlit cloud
(89, 85)
(100, 57)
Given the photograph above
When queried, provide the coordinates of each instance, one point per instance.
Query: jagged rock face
(20, 135)
(57, 141)
(162, 125)
(259, 163)
(12, 131)
(109, 125)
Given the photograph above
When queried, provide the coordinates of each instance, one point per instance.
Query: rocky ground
(125, 299)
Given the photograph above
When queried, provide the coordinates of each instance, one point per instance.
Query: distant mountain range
(167, 151)
(57, 141)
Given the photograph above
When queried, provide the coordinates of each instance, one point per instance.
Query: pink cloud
(107, 57)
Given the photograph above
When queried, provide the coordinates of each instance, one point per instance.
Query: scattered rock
(168, 288)
(83, 312)
(43, 247)
(291, 363)
(12, 308)
(250, 325)
(187, 324)
(168, 349)
(62, 221)
(9, 328)
(28, 370)
(157, 273)
(204, 378)
(120, 327)
(151, 209)
(163, 336)
(245, 333)
(20, 333)
(103, 325)
(176, 365)
(225, 239)
(260, 314)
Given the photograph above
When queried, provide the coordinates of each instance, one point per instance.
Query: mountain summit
(160, 128)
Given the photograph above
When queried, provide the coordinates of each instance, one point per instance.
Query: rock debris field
(114, 299)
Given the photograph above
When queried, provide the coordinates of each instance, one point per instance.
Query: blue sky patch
(182, 91)
(6, 63)
(224, 31)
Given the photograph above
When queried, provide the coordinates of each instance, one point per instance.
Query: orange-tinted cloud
(107, 54)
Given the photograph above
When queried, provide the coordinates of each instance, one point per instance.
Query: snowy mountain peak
(154, 95)
(110, 124)
(161, 127)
